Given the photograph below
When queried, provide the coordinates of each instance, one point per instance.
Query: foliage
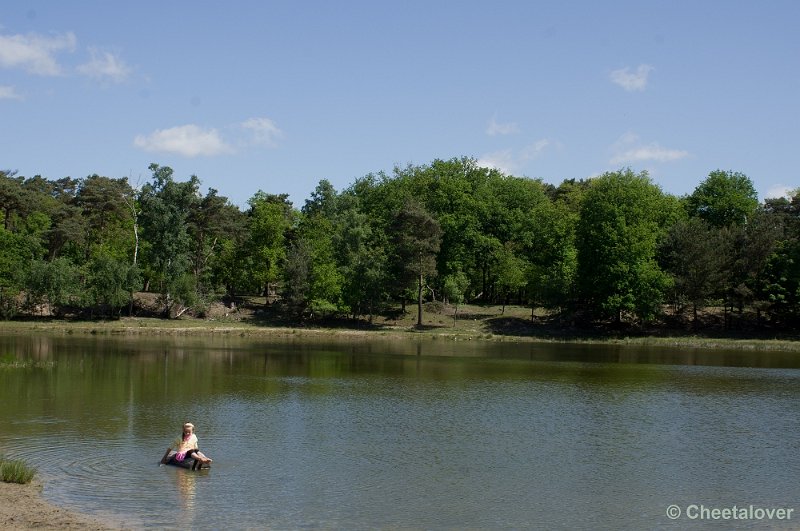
(110, 283)
(416, 238)
(297, 278)
(269, 219)
(724, 198)
(166, 206)
(614, 247)
(622, 217)
(55, 283)
(454, 288)
(324, 278)
(696, 254)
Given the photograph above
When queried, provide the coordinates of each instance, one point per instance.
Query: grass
(475, 322)
(16, 471)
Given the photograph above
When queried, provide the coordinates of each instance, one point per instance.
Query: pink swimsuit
(180, 456)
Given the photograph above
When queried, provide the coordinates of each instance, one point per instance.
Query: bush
(16, 471)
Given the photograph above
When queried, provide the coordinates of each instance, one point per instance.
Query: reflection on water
(186, 488)
(435, 434)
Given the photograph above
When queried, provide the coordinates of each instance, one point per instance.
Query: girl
(186, 446)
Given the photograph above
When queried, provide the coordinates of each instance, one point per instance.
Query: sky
(275, 96)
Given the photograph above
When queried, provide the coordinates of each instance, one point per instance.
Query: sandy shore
(22, 507)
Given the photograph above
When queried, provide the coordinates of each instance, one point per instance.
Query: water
(421, 435)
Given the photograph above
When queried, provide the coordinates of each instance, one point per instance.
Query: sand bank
(22, 507)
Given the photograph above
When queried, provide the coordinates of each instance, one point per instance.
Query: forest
(608, 250)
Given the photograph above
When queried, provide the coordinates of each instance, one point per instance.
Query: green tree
(104, 206)
(269, 219)
(297, 282)
(553, 255)
(779, 285)
(15, 259)
(13, 200)
(417, 237)
(212, 221)
(512, 274)
(55, 284)
(622, 218)
(455, 287)
(324, 278)
(165, 208)
(696, 254)
(110, 282)
(724, 198)
(361, 257)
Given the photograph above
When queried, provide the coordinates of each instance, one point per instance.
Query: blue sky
(278, 95)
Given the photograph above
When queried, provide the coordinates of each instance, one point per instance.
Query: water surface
(434, 435)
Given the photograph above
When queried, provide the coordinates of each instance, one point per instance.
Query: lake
(434, 434)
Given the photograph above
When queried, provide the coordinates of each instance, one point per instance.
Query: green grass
(475, 322)
(16, 471)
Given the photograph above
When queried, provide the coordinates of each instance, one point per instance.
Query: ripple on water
(107, 477)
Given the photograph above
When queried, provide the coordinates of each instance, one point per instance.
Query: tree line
(614, 248)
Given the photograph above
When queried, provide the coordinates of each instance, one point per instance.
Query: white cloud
(535, 149)
(631, 81)
(494, 128)
(628, 151)
(649, 152)
(264, 131)
(510, 161)
(779, 190)
(105, 66)
(503, 161)
(186, 140)
(9, 93)
(626, 139)
(35, 53)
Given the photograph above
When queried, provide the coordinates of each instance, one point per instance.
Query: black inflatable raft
(189, 463)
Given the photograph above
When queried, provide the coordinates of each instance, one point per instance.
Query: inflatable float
(189, 463)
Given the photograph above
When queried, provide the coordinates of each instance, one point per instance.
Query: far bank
(472, 323)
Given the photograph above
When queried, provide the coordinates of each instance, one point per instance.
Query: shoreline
(147, 326)
(24, 507)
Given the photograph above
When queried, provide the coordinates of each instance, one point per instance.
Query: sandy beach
(22, 507)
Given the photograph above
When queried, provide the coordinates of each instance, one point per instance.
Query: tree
(752, 246)
(724, 198)
(621, 219)
(105, 206)
(297, 282)
(360, 251)
(211, 221)
(269, 219)
(512, 274)
(553, 255)
(696, 255)
(166, 205)
(15, 259)
(779, 285)
(455, 287)
(13, 200)
(323, 201)
(417, 237)
(324, 279)
(55, 283)
(110, 282)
